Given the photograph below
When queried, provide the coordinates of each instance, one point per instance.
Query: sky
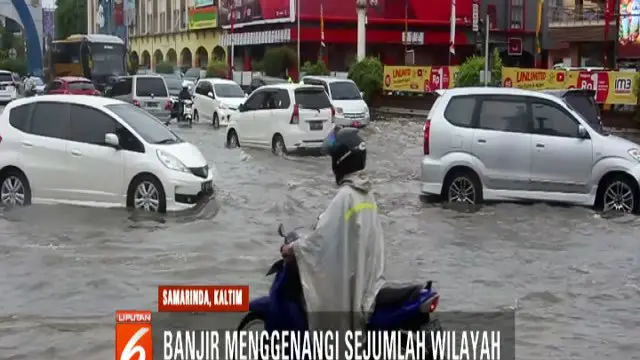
(48, 3)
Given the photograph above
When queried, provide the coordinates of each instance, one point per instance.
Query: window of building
(517, 14)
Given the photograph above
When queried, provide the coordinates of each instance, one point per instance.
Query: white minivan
(351, 109)
(216, 99)
(91, 150)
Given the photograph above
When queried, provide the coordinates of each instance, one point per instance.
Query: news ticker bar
(166, 335)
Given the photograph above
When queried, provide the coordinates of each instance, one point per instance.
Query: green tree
(218, 69)
(469, 72)
(278, 59)
(70, 17)
(317, 68)
(368, 74)
(164, 67)
(6, 39)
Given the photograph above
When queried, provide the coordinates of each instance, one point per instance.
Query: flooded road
(572, 276)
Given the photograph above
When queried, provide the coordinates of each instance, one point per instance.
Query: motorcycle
(187, 111)
(406, 308)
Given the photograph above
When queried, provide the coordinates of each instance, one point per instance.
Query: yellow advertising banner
(611, 87)
(420, 79)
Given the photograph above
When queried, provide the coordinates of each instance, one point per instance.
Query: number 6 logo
(132, 348)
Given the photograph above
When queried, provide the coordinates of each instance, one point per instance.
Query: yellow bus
(96, 57)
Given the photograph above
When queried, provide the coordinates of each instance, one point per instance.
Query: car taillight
(295, 117)
(427, 128)
(168, 105)
(136, 102)
(430, 305)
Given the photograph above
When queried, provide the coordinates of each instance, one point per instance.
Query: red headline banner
(201, 298)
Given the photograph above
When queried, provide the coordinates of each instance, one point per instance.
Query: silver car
(146, 91)
(510, 144)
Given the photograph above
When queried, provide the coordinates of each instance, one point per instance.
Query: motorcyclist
(184, 95)
(29, 85)
(341, 263)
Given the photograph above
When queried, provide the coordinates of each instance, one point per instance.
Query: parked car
(71, 85)
(258, 81)
(146, 91)
(89, 149)
(583, 101)
(351, 109)
(216, 99)
(283, 118)
(512, 144)
(11, 86)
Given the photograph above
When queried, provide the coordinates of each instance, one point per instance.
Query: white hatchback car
(10, 86)
(216, 99)
(283, 118)
(91, 150)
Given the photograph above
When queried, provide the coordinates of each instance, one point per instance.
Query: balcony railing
(569, 17)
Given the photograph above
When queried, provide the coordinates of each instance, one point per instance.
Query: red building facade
(261, 23)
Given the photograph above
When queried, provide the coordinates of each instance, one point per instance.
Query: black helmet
(347, 150)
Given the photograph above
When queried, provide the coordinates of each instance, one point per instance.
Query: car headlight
(224, 106)
(171, 162)
(635, 153)
(366, 112)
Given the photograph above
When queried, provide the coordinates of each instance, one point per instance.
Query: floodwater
(572, 276)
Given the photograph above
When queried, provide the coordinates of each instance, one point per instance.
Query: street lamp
(361, 9)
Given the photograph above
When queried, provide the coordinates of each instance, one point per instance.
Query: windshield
(228, 91)
(145, 124)
(174, 85)
(192, 73)
(344, 90)
(81, 86)
(151, 86)
(107, 59)
(5, 77)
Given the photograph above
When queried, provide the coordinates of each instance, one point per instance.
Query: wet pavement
(572, 275)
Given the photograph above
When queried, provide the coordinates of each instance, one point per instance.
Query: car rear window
(459, 111)
(312, 98)
(151, 87)
(5, 77)
(81, 86)
(586, 106)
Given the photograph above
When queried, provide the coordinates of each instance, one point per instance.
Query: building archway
(202, 57)
(146, 59)
(186, 58)
(134, 58)
(25, 13)
(158, 57)
(172, 57)
(218, 53)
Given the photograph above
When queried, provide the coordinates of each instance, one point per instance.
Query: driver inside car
(341, 263)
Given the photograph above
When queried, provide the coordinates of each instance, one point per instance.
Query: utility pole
(361, 10)
(486, 51)
(298, 40)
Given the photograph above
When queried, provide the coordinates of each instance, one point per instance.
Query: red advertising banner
(257, 11)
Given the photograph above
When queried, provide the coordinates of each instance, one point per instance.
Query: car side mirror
(362, 94)
(582, 132)
(112, 140)
(210, 94)
(241, 108)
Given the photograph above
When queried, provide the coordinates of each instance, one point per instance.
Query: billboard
(248, 11)
(49, 23)
(203, 17)
(201, 3)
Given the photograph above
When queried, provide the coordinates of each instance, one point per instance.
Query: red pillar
(247, 59)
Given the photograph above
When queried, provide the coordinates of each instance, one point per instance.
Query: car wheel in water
(15, 189)
(232, 139)
(463, 187)
(277, 145)
(252, 321)
(216, 121)
(620, 194)
(147, 194)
